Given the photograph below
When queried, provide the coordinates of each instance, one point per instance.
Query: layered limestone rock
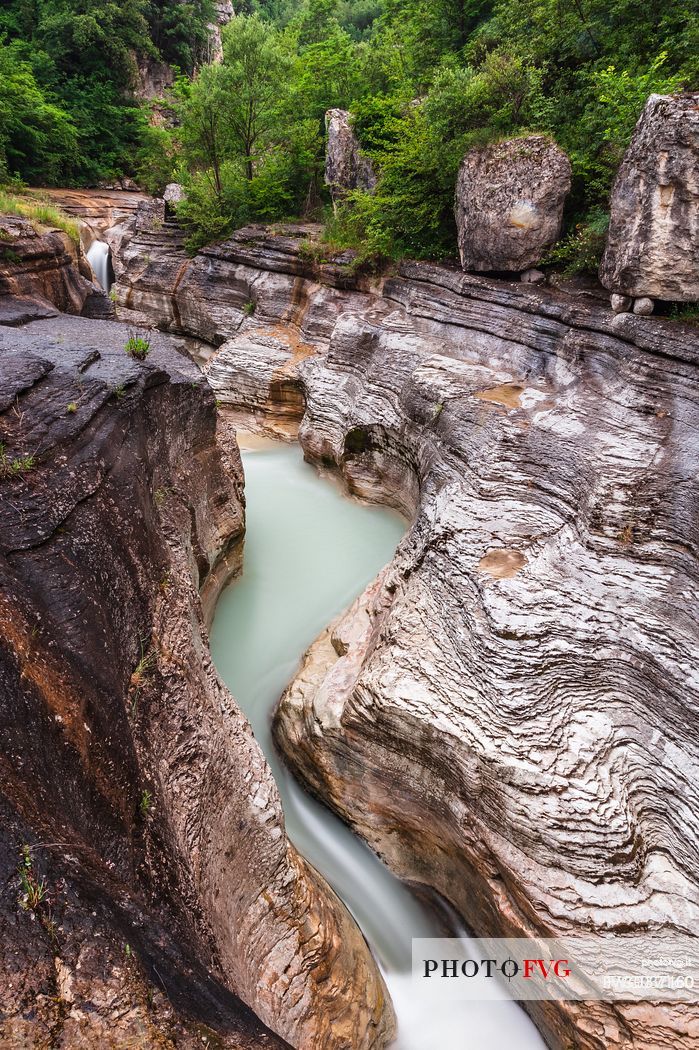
(145, 804)
(97, 210)
(346, 168)
(42, 272)
(508, 715)
(509, 203)
(653, 242)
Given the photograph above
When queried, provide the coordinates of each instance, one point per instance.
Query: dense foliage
(424, 79)
(68, 69)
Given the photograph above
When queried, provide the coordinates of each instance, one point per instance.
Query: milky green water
(309, 552)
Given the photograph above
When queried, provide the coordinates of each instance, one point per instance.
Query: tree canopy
(424, 80)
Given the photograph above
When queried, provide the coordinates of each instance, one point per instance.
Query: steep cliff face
(145, 804)
(508, 715)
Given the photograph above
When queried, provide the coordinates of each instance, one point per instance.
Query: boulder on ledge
(653, 243)
(509, 203)
(345, 166)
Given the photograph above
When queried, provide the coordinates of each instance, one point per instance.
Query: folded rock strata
(146, 805)
(508, 716)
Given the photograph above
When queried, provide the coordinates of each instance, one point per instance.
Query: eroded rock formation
(97, 210)
(129, 773)
(509, 203)
(346, 168)
(507, 716)
(42, 272)
(653, 241)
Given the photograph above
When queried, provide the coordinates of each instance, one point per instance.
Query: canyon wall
(508, 716)
(149, 889)
(42, 272)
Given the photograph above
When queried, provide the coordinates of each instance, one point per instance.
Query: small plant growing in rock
(71, 408)
(113, 294)
(137, 346)
(626, 536)
(33, 891)
(145, 804)
(19, 465)
(119, 391)
(143, 669)
(159, 497)
(249, 308)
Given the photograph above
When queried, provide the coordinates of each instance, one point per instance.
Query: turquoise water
(309, 552)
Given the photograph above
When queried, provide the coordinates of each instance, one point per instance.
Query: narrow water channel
(309, 551)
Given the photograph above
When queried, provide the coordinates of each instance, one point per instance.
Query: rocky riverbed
(508, 716)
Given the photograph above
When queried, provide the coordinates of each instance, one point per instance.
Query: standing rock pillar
(653, 243)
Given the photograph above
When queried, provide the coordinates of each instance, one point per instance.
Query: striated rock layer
(42, 272)
(509, 715)
(158, 891)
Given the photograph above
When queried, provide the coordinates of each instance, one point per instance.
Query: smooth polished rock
(621, 304)
(518, 730)
(178, 897)
(644, 307)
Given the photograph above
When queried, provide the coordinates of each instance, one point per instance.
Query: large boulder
(653, 243)
(509, 203)
(346, 168)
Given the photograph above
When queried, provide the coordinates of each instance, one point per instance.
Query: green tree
(37, 138)
(254, 74)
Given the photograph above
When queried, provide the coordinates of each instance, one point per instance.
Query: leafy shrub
(581, 251)
(137, 346)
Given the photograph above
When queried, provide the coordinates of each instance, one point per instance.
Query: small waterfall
(99, 258)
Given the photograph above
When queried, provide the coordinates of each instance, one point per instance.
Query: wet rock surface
(172, 894)
(509, 203)
(508, 716)
(653, 240)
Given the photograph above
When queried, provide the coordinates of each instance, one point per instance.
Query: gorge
(494, 715)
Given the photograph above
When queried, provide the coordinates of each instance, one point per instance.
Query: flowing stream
(98, 256)
(309, 551)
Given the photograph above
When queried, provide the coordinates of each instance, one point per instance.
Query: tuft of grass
(71, 408)
(688, 313)
(33, 891)
(145, 804)
(137, 346)
(18, 466)
(143, 669)
(8, 255)
(249, 308)
(39, 213)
